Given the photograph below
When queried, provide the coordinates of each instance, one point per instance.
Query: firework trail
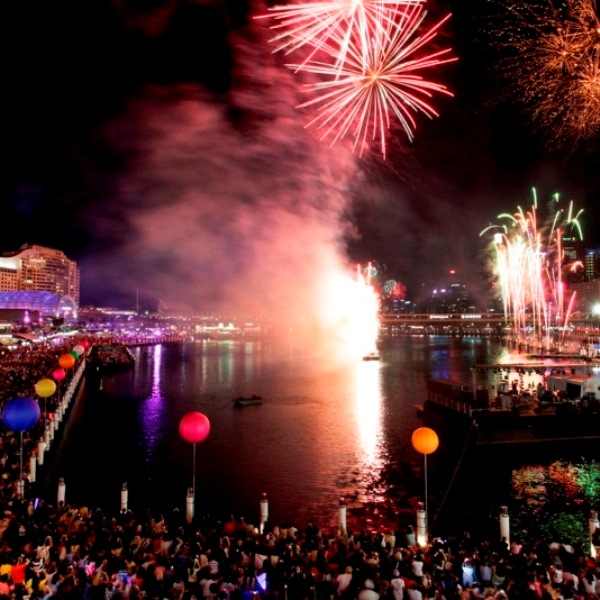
(366, 56)
(549, 61)
(529, 267)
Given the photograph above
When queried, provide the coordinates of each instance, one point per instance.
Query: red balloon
(194, 427)
(59, 374)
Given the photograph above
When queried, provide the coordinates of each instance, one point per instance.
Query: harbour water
(325, 430)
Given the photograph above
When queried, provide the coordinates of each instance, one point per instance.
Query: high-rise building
(40, 269)
(591, 265)
(451, 297)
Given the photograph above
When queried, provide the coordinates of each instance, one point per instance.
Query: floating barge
(518, 403)
(110, 358)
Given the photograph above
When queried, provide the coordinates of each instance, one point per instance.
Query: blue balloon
(20, 414)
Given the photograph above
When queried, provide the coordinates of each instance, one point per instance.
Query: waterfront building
(587, 296)
(591, 265)
(34, 268)
(28, 308)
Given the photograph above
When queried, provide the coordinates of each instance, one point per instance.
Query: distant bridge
(484, 319)
(490, 322)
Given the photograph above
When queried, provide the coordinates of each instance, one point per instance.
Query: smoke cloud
(226, 204)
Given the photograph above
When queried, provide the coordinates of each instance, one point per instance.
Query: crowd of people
(87, 553)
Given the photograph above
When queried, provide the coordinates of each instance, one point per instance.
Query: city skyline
(175, 162)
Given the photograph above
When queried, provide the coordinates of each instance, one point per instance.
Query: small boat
(372, 356)
(241, 401)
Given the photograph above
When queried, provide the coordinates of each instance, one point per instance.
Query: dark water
(323, 431)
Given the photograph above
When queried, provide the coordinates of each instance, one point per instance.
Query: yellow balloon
(44, 388)
(425, 440)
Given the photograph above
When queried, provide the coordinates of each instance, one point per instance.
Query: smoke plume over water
(229, 204)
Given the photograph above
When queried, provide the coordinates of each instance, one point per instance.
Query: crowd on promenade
(88, 553)
(79, 552)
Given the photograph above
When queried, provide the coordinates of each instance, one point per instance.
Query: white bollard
(264, 512)
(421, 526)
(189, 506)
(124, 496)
(41, 450)
(594, 525)
(505, 525)
(61, 491)
(342, 514)
(32, 466)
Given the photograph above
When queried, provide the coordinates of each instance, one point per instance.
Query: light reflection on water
(325, 429)
(153, 409)
(368, 401)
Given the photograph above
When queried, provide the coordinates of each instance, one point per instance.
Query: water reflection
(226, 362)
(153, 409)
(368, 400)
(323, 431)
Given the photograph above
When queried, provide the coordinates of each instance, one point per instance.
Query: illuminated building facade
(451, 297)
(35, 268)
(587, 296)
(591, 265)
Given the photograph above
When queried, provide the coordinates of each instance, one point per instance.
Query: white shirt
(343, 581)
(398, 586)
(414, 594)
(417, 568)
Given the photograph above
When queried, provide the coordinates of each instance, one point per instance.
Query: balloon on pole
(424, 441)
(44, 388)
(67, 361)
(59, 374)
(21, 414)
(194, 428)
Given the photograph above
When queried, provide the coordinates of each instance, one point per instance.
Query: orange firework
(549, 57)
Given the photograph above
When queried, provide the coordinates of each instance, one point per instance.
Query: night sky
(158, 144)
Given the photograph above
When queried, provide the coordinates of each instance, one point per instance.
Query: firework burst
(358, 97)
(529, 267)
(366, 57)
(312, 24)
(549, 59)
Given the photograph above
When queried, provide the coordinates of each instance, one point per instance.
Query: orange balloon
(66, 361)
(425, 440)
